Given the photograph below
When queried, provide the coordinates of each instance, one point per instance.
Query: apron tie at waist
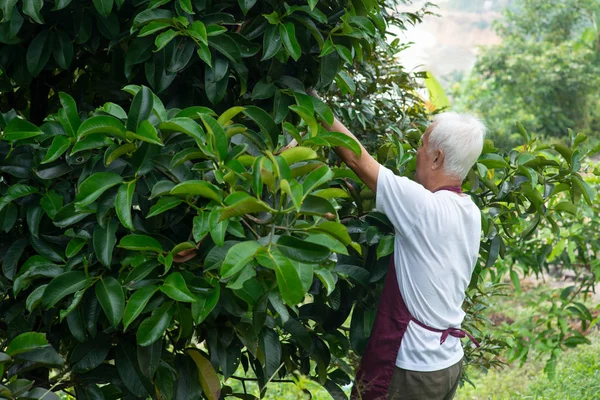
(457, 333)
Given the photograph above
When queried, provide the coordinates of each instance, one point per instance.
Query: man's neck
(444, 181)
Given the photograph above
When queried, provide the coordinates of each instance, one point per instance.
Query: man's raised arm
(365, 166)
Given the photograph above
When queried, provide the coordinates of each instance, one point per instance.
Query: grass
(577, 377)
(577, 371)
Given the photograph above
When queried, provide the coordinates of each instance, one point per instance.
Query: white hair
(460, 137)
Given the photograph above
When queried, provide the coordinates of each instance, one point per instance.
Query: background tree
(544, 73)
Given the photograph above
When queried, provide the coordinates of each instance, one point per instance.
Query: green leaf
(123, 203)
(201, 226)
(154, 27)
(35, 298)
(110, 295)
(38, 52)
(323, 110)
(345, 82)
(137, 303)
(218, 228)
(288, 35)
(57, 148)
(129, 372)
(185, 125)
(226, 46)
(164, 38)
(335, 230)
(26, 342)
(164, 204)
(62, 286)
(308, 118)
(141, 108)
(205, 304)
(246, 5)
(316, 178)
(288, 279)
(198, 32)
(18, 129)
(113, 153)
(147, 132)
(140, 243)
(314, 205)
(93, 187)
(386, 246)
(74, 246)
(91, 142)
(176, 288)
(63, 50)
(238, 257)
(344, 53)
(336, 139)
(89, 355)
(229, 114)
(209, 380)
(104, 240)
(265, 123)
(303, 251)
(312, 4)
(216, 132)
(32, 8)
(271, 42)
(152, 328)
(437, 96)
(101, 124)
(104, 7)
(326, 278)
(294, 190)
(198, 188)
(248, 205)
(51, 203)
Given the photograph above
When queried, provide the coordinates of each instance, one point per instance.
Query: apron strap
(457, 333)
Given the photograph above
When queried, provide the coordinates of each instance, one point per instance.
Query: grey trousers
(435, 385)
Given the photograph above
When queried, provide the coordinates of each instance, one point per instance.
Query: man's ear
(438, 161)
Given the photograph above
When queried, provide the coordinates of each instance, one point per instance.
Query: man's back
(436, 248)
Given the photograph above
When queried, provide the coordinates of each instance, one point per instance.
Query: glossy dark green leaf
(123, 204)
(198, 188)
(140, 243)
(110, 296)
(32, 8)
(39, 51)
(104, 124)
(164, 204)
(271, 42)
(141, 108)
(238, 257)
(57, 148)
(104, 7)
(127, 367)
(104, 240)
(201, 226)
(12, 256)
(301, 250)
(176, 288)
(153, 327)
(26, 342)
(205, 304)
(63, 285)
(288, 280)
(35, 298)
(271, 347)
(265, 123)
(89, 355)
(217, 134)
(246, 5)
(18, 129)
(165, 38)
(91, 142)
(137, 302)
(149, 358)
(94, 186)
(45, 355)
(226, 46)
(63, 50)
(290, 42)
(217, 227)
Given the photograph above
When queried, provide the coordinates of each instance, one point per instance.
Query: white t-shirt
(436, 248)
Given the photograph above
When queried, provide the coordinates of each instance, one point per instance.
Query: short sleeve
(400, 199)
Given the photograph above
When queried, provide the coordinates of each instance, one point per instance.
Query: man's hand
(364, 165)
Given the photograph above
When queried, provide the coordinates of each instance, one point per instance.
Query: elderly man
(414, 351)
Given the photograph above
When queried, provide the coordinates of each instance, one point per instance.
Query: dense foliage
(153, 241)
(545, 73)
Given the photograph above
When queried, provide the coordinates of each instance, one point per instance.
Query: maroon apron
(379, 358)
